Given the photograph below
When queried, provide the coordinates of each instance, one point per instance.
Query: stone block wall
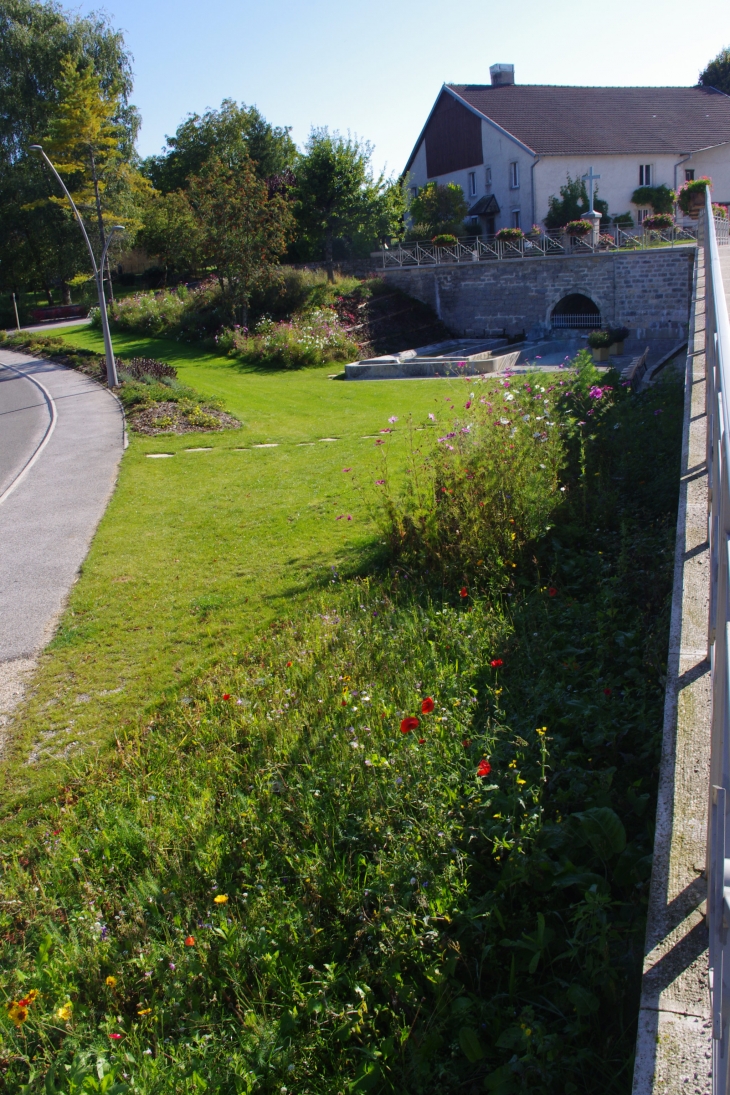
(647, 291)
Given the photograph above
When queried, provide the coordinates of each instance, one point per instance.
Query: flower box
(578, 228)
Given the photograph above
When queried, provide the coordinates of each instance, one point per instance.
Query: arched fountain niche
(575, 312)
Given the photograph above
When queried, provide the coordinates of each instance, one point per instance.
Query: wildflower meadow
(401, 841)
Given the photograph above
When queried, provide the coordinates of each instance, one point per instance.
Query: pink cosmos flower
(393, 419)
(379, 482)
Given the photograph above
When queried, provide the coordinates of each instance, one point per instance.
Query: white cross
(591, 179)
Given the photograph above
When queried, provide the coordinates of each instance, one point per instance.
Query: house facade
(511, 147)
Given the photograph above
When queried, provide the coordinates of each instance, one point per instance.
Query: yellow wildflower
(17, 1013)
(521, 781)
(220, 898)
(111, 982)
(541, 730)
(144, 1011)
(64, 1012)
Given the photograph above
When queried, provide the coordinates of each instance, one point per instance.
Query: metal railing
(613, 238)
(589, 321)
(717, 364)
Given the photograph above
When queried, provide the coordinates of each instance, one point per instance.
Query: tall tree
(717, 73)
(338, 197)
(244, 229)
(226, 134)
(572, 204)
(439, 208)
(39, 244)
(170, 231)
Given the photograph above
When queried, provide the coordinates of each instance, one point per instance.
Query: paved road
(61, 439)
(56, 323)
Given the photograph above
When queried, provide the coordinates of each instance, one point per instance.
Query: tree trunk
(328, 256)
(65, 293)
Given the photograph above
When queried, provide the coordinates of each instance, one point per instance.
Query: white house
(511, 146)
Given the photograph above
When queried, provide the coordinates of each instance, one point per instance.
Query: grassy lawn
(197, 552)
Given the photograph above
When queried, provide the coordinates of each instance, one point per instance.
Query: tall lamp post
(111, 365)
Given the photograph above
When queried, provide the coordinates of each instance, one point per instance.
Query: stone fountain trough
(459, 357)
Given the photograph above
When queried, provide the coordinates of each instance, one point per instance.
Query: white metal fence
(540, 245)
(717, 357)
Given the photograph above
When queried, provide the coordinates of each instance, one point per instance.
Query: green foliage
(658, 222)
(572, 204)
(244, 229)
(578, 228)
(169, 231)
(660, 198)
(444, 239)
(600, 340)
(717, 72)
(689, 191)
(40, 244)
(339, 199)
(386, 919)
(510, 234)
(625, 220)
(229, 134)
(306, 340)
(438, 208)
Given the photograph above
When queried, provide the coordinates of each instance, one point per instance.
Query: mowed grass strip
(199, 551)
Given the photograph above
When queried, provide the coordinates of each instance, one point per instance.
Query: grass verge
(281, 885)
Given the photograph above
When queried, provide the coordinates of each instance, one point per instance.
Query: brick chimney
(502, 75)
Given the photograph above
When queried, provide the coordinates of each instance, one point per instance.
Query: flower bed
(510, 234)
(578, 228)
(312, 339)
(658, 222)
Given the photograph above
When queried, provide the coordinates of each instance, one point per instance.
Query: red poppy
(607, 691)
(466, 743)
(552, 592)
(463, 592)
(421, 741)
(190, 941)
(496, 663)
(427, 706)
(226, 695)
(116, 1037)
(484, 768)
(408, 724)
(344, 703)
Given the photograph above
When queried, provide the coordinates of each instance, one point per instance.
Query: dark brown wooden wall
(453, 138)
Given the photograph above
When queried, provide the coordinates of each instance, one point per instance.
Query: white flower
(508, 397)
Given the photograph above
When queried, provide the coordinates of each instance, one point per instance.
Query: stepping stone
(268, 445)
(208, 448)
(303, 444)
(329, 439)
(159, 455)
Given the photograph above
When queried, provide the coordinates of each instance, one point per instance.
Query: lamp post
(111, 365)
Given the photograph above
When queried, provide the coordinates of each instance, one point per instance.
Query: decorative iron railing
(717, 365)
(543, 245)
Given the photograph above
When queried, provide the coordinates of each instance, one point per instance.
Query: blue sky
(375, 67)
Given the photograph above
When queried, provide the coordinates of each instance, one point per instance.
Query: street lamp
(111, 365)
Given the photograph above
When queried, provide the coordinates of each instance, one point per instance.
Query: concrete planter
(600, 353)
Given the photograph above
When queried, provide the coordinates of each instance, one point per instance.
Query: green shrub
(660, 198)
(444, 239)
(599, 340)
(312, 339)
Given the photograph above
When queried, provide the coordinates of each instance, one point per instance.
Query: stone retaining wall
(647, 291)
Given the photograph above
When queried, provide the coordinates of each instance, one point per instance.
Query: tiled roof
(604, 120)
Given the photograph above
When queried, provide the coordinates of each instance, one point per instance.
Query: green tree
(339, 199)
(226, 134)
(572, 204)
(438, 208)
(40, 246)
(717, 73)
(170, 231)
(244, 229)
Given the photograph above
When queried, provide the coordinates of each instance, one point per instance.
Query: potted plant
(618, 336)
(510, 234)
(535, 231)
(691, 197)
(600, 343)
(719, 211)
(578, 228)
(658, 222)
(444, 239)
